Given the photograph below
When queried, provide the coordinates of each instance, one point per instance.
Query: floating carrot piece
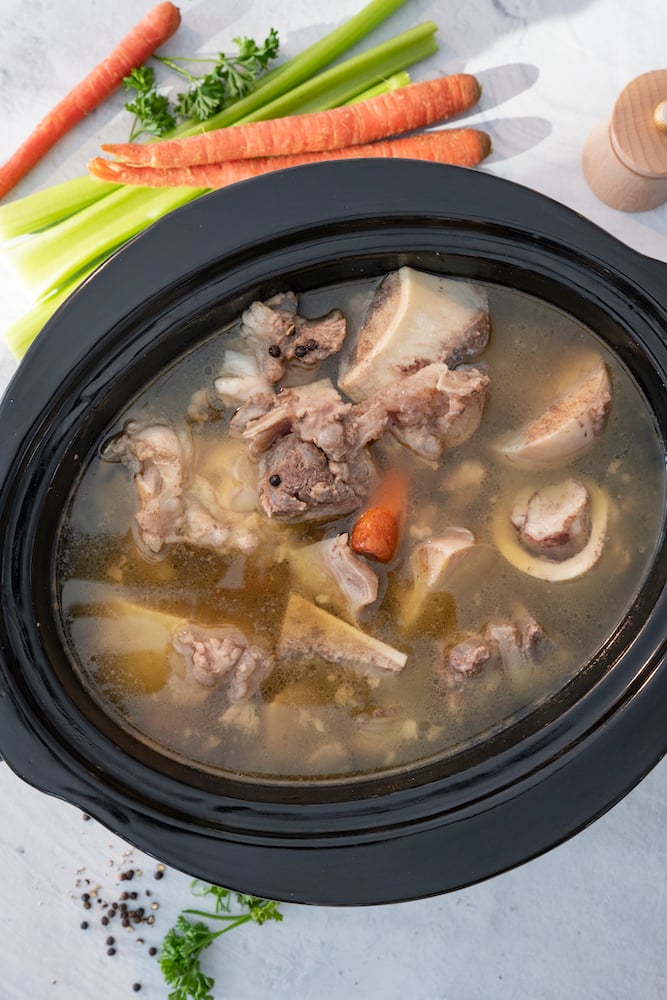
(377, 531)
(393, 113)
(462, 147)
(149, 34)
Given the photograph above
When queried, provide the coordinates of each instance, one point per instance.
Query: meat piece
(330, 573)
(278, 335)
(569, 426)
(311, 465)
(468, 656)
(315, 412)
(556, 520)
(159, 456)
(519, 642)
(174, 506)
(429, 411)
(216, 654)
(239, 379)
(414, 319)
(297, 482)
(309, 631)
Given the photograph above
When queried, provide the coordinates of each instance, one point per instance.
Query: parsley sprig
(231, 78)
(186, 940)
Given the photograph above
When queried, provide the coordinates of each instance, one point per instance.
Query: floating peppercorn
(300, 350)
(274, 351)
(274, 480)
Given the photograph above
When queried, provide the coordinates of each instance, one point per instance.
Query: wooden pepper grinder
(625, 158)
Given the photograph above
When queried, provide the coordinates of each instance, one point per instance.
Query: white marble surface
(588, 920)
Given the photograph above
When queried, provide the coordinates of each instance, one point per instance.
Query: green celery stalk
(44, 208)
(342, 82)
(393, 82)
(48, 260)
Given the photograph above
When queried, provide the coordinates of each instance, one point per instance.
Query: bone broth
(360, 528)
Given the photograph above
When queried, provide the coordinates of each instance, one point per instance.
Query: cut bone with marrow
(309, 631)
(560, 514)
(329, 571)
(556, 520)
(414, 319)
(278, 335)
(443, 563)
(568, 427)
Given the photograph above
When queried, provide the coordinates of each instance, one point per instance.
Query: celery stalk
(342, 82)
(51, 258)
(393, 82)
(44, 208)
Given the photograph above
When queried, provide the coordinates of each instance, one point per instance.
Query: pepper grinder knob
(625, 158)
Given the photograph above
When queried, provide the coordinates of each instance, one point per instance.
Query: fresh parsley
(186, 940)
(231, 78)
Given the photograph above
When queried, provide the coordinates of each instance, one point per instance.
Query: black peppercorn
(275, 480)
(274, 351)
(300, 350)
(312, 345)
(136, 987)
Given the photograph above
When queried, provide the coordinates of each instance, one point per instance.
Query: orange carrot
(393, 113)
(462, 147)
(149, 34)
(377, 531)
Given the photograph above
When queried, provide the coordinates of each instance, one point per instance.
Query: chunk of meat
(556, 520)
(216, 654)
(468, 656)
(172, 505)
(311, 465)
(309, 631)
(414, 319)
(297, 481)
(331, 574)
(159, 457)
(569, 426)
(519, 642)
(278, 335)
(239, 379)
(434, 409)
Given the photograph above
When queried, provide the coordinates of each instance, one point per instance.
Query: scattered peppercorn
(152, 950)
(300, 350)
(110, 941)
(136, 987)
(84, 925)
(111, 951)
(274, 351)
(274, 480)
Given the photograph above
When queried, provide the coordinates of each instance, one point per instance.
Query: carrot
(149, 34)
(376, 533)
(462, 147)
(402, 110)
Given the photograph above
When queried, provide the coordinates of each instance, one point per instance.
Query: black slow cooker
(422, 830)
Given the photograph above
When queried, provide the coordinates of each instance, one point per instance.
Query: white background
(586, 922)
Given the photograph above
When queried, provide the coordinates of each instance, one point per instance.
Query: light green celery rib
(393, 82)
(48, 259)
(347, 79)
(44, 208)
(20, 334)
